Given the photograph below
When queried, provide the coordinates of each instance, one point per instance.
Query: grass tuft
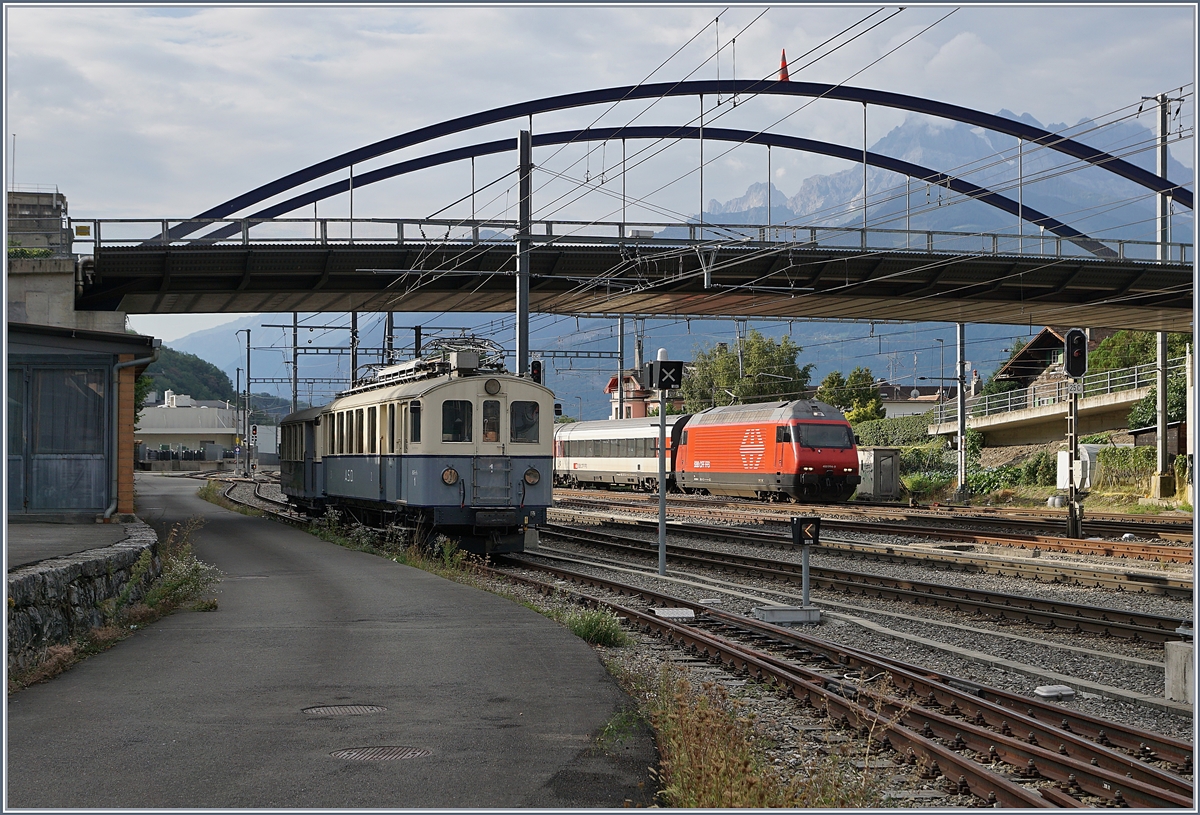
(598, 627)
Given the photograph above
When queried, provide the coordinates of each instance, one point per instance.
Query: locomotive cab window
(835, 436)
(491, 420)
(783, 432)
(456, 420)
(525, 416)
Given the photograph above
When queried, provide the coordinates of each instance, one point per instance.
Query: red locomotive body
(802, 450)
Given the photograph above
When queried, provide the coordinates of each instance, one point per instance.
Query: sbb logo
(752, 449)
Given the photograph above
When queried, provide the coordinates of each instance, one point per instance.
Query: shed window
(68, 412)
(456, 420)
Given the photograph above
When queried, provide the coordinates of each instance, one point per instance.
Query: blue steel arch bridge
(252, 254)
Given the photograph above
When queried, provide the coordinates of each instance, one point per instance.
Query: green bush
(926, 458)
(898, 432)
(1183, 473)
(983, 482)
(923, 486)
(599, 627)
(1040, 470)
(1125, 467)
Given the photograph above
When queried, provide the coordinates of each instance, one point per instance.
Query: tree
(856, 395)
(994, 385)
(1145, 412)
(866, 404)
(831, 389)
(1127, 349)
(768, 373)
(188, 374)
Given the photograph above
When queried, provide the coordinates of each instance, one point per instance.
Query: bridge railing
(340, 231)
(1041, 394)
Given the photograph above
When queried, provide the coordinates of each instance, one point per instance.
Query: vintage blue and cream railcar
(443, 445)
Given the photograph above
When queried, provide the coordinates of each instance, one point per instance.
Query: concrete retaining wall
(57, 600)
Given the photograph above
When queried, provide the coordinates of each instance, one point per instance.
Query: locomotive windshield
(524, 422)
(825, 435)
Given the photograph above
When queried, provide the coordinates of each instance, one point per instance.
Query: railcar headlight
(450, 476)
(532, 476)
(492, 386)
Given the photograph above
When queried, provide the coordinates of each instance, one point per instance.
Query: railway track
(1118, 578)
(1017, 608)
(1005, 749)
(1047, 522)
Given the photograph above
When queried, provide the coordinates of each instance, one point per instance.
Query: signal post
(1074, 366)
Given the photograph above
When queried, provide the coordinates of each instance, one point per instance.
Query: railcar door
(490, 482)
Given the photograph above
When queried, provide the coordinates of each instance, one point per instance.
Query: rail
(113, 232)
(1042, 394)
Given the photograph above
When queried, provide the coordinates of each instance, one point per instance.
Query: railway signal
(1075, 353)
(535, 371)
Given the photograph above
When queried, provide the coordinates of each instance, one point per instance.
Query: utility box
(1085, 468)
(879, 468)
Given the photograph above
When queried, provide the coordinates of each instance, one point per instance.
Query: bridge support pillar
(524, 230)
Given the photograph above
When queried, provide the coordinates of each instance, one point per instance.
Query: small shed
(879, 468)
(1176, 437)
(70, 420)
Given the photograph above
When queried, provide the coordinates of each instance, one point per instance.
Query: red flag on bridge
(783, 73)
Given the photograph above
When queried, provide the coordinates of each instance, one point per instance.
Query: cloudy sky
(163, 112)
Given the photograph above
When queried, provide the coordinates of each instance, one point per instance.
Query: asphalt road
(206, 709)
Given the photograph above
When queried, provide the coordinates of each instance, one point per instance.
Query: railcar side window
(456, 420)
(415, 411)
(371, 434)
(358, 431)
(391, 428)
(525, 420)
(827, 435)
(491, 420)
(341, 432)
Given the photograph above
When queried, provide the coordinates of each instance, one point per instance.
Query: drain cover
(381, 753)
(343, 710)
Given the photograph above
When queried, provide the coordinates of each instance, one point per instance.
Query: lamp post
(249, 411)
(580, 400)
(961, 434)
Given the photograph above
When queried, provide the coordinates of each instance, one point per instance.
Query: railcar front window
(491, 420)
(456, 420)
(525, 421)
(827, 435)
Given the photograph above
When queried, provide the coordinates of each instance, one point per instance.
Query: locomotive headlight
(847, 469)
(808, 469)
(532, 476)
(450, 476)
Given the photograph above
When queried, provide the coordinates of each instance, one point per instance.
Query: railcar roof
(419, 388)
(768, 412)
(306, 415)
(611, 428)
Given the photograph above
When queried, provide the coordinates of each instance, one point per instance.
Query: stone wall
(57, 600)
